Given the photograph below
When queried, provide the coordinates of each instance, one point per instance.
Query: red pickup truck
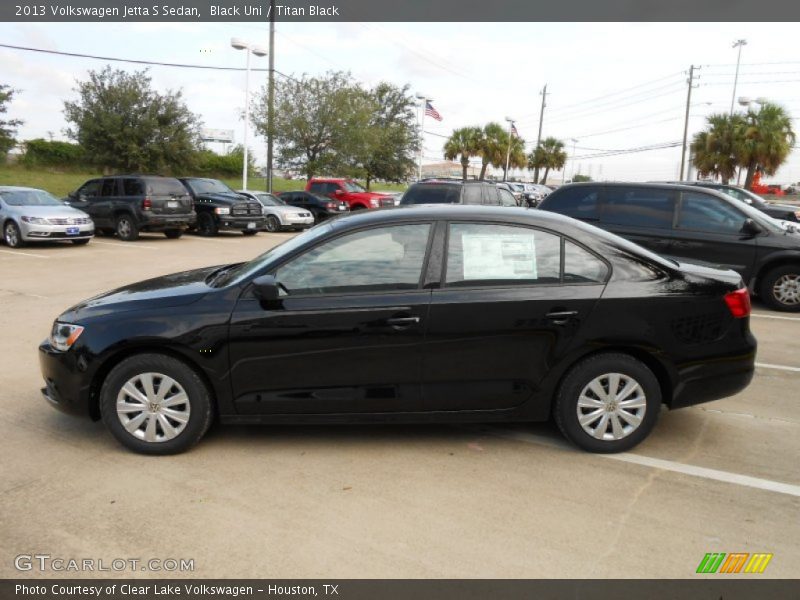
(349, 191)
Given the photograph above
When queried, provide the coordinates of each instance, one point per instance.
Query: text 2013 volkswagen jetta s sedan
(421, 314)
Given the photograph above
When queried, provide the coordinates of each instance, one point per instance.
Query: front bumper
(294, 220)
(32, 232)
(241, 223)
(67, 383)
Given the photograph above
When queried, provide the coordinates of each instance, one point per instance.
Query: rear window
(166, 187)
(579, 202)
(318, 187)
(432, 194)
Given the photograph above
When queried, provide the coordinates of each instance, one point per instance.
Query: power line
(660, 146)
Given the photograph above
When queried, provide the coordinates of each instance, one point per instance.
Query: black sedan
(424, 314)
(321, 207)
(782, 212)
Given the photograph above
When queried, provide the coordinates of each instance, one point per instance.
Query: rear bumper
(161, 222)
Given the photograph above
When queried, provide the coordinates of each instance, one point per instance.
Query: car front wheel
(207, 225)
(273, 224)
(780, 288)
(155, 404)
(12, 235)
(608, 403)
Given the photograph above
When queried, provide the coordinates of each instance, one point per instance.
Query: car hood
(224, 197)
(786, 207)
(49, 211)
(285, 210)
(177, 289)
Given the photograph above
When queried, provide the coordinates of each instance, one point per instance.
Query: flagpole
(508, 152)
(423, 99)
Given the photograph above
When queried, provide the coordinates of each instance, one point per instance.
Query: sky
(611, 86)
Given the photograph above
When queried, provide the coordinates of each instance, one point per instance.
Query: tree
(124, 125)
(766, 140)
(548, 155)
(581, 178)
(320, 123)
(464, 143)
(392, 137)
(8, 127)
(717, 151)
(494, 146)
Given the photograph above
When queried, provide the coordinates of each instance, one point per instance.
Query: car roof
(640, 184)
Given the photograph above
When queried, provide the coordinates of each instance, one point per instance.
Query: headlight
(374, 202)
(222, 211)
(35, 220)
(64, 335)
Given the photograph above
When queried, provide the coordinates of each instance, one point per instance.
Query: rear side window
(133, 187)
(639, 207)
(109, 187)
(432, 194)
(165, 187)
(490, 195)
(506, 198)
(580, 202)
(581, 266)
(472, 194)
(488, 254)
(700, 212)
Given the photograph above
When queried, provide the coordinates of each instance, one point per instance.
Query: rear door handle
(560, 317)
(402, 322)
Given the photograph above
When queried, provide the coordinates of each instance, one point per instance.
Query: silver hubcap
(787, 289)
(153, 407)
(11, 235)
(611, 406)
(123, 228)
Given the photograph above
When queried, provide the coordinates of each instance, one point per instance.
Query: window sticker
(507, 256)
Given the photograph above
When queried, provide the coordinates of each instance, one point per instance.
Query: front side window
(639, 207)
(700, 212)
(90, 189)
(489, 254)
(109, 188)
(383, 259)
(351, 186)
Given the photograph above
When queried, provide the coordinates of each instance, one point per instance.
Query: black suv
(320, 206)
(784, 212)
(129, 204)
(695, 225)
(446, 191)
(219, 207)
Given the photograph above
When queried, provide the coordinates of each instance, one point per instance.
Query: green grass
(60, 183)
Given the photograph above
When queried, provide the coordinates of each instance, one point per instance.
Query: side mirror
(338, 192)
(751, 228)
(266, 289)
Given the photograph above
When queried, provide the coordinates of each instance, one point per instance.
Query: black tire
(207, 225)
(12, 235)
(81, 242)
(249, 231)
(273, 224)
(358, 207)
(173, 234)
(596, 368)
(126, 229)
(199, 404)
(779, 288)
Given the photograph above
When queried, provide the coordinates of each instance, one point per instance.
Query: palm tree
(766, 140)
(494, 146)
(466, 143)
(548, 155)
(718, 150)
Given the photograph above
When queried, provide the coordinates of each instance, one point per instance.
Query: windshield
(352, 186)
(242, 271)
(30, 198)
(208, 186)
(270, 200)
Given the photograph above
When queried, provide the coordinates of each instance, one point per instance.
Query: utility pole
(739, 44)
(271, 95)
(690, 81)
(543, 94)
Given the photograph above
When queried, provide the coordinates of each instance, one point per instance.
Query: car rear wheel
(206, 225)
(780, 288)
(81, 242)
(273, 224)
(126, 228)
(608, 403)
(155, 404)
(173, 234)
(12, 235)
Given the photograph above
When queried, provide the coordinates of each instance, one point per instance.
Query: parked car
(351, 192)
(218, 208)
(782, 212)
(321, 207)
(517, 190)
(448, 191)
(278, 214)
(33, 215)
(693, 224)
(533, 193)
(130, 204)
(426, 314)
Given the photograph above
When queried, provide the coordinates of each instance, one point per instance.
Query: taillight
(331, 205)
(147, 204)
(738, 303)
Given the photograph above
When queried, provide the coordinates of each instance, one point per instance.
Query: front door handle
(402, 322)
(560, 317)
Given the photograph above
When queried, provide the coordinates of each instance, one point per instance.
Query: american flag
(432, 112)
(514, 132)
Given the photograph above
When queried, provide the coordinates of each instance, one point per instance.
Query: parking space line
(128, 245)
(763, 316)
(658, 463)
(780, 367)
(18, 253)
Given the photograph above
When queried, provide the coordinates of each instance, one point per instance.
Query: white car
(279, 214)
(31, 215)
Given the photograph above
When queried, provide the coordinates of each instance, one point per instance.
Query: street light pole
(271, 95)
(686, 120)
(564, 172)
(543, 93)
(508, 152)
(258, 51)
(739, 44)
